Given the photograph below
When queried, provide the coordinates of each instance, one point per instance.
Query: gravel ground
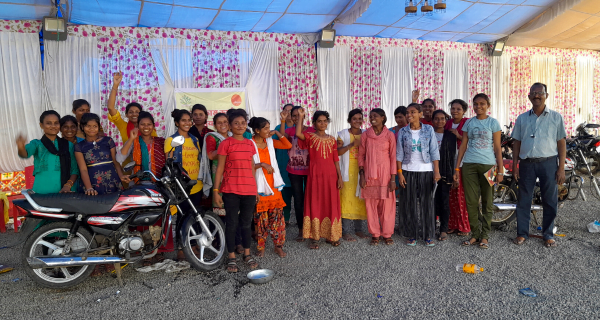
(353, 281)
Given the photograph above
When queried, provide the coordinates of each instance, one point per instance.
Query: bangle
(399, 170)
(90, 189)
(217, 190)
(457, 169)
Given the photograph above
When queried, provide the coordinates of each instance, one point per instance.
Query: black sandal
(250, 262)
(374, 241)
(232, 266)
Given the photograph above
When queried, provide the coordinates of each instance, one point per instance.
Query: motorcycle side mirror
(177, 141)
(129, 166)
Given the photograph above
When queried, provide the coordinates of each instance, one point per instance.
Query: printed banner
(214, 99)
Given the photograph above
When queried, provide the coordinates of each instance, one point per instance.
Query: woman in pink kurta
(377, 169)
(322, 211)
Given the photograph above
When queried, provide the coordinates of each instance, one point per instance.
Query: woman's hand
(456, 176)
(283, 115)
(340, 182)
(301, 115)
(117, 78)
(499, 178)
(361, 180)
(455, 132)
(125, 179)
(275, 133)
(267, 167)
(66, 189)
(392, 185)
(454, 184)
(436, 176)
(401, 180)
(257, 198)
(415, 95)
(91, 192)
(133, 134)
(21, 141)
(217, 199)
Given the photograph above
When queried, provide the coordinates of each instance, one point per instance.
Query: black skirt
(416, 218)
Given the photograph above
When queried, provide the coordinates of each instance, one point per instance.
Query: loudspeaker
(327, 38)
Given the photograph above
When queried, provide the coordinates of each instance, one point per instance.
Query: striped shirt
(238, 177)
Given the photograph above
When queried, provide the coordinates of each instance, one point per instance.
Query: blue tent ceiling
(474, 21)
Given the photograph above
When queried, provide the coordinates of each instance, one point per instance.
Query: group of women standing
(430, 163)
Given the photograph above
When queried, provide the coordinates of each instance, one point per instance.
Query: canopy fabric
(472, 21)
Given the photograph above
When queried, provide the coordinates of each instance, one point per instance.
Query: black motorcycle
(590, 148)
(506, 142)
(67, 234)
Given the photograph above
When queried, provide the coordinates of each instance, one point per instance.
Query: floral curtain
(365, 78)
(216, 64)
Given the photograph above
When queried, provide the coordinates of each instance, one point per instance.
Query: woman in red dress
(459, 218)
(322, 211)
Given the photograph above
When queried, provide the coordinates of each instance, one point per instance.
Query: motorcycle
(506, 142)
(68, 234)
(590, 148)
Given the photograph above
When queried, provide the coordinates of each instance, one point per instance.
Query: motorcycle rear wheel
(49, 240)
(503, 194)
(201, 254)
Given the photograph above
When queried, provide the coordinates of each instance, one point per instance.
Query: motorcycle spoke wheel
(503, 194)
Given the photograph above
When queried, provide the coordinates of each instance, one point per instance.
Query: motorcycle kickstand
(118, 271)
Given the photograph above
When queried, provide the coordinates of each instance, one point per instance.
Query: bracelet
(69, 182)
(500, 173)
(399, 170)
(457, 169)
(217, 190)
(90, 189)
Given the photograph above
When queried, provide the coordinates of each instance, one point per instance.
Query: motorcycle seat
(77, 202)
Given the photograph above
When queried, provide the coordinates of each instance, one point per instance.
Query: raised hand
(283, 115)
(133, 134)
(415, 95)
(21, 141)
(117, 78)
(301, 114)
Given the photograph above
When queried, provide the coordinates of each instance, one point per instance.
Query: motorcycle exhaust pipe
(513, 206)
(63, 262)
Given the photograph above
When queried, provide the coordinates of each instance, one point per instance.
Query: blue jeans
(545, 171)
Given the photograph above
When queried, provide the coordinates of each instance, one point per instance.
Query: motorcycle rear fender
(31, 212)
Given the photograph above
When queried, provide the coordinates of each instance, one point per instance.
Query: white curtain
(20, 95)
(334, 85)
(543, 69)
(173, 61)
(500, 85)
(585, 89)
(70, 73)
(262, 86)
(456, 77)
(397, 80)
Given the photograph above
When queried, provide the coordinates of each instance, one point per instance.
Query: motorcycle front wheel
(49, 240)
(202, 254)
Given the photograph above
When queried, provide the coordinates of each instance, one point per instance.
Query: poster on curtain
(214, 99)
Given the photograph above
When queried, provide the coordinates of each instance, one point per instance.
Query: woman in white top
(417, 158)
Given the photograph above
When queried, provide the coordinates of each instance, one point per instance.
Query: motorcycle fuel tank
(139, 197)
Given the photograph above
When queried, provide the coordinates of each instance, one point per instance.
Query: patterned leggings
(270, 222)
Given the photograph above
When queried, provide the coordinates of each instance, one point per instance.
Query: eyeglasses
(537, 93)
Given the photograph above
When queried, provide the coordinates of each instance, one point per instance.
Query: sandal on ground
(519, 240)
(388, 241)
(429, 243)
(549, 243)
(411, 242)
(443, 236)
(299, 239)
(314, 245)
(348, 237)
(260, 253)
(374, 241)
(462, 234)
(452, 231)
(334, 243)
(469, 242)
(279, 251)
(484, 245)
(250, 262)
(232, 266)
(239, 249)
(362, 235)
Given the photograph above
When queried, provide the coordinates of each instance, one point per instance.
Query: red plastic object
(29, 178)
(2, 224)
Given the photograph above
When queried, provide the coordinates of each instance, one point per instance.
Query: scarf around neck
(63, 154)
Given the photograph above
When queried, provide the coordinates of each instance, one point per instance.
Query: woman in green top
(55, 168)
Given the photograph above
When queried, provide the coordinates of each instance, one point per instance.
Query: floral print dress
(98, 158)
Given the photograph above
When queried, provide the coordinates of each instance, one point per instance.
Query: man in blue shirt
(541, 147)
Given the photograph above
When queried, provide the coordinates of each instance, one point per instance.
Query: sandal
(374, 241)
(232, 266)
(443, 236)
(469, 242)
(348, 237)
(411, 242)
(388, 241)
(362, 235)
(519, 240)
(260, 253)
(314, 245)
(334, 243)
(429, 243)
(299, 239)
(550, 243)
(462, 234)
(250, 262)
(484, 245)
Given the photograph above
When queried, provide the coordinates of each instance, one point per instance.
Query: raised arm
(283, 116)
(117, 78)
(21, 141)
(299, 125)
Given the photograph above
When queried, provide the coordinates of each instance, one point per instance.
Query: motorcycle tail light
(597, 144)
